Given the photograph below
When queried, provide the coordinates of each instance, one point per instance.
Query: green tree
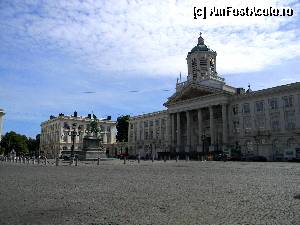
(122, 128)
(33, 145)
(11, 140)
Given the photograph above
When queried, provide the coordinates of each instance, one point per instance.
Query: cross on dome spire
(200, 40)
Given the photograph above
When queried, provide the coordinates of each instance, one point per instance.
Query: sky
(122, 57)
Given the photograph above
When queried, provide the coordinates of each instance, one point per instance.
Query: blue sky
(52, 52)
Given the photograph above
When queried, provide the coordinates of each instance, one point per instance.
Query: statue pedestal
(92, 149)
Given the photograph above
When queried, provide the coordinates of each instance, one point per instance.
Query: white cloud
(153, 37)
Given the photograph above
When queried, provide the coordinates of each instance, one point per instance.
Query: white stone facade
(206, 117)
(1, 121)
(147, 134)
(55, 138)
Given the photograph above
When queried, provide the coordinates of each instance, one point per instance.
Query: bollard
(187, 158)
(28, 159)
(139, 159)
(33, 160)
(98, 161)
(152, 158)
(45, 161)
(124, 160)
(71, 161)
(57, 161)
(23, 160)
(38, 161)
(177, 157)
(76, 161)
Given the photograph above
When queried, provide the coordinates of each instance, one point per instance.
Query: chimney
(75, 114)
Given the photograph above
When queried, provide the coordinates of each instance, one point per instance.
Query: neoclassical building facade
(55, 136)
(205, 116)
(1, 121)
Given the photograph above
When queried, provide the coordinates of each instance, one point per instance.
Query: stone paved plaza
(156, 193)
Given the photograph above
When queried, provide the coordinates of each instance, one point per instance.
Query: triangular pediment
(191, 92)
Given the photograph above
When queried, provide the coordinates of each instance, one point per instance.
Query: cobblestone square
(231, 193)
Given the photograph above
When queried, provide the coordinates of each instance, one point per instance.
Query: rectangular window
(275, 126)
(151, 134)
(273, 103)
(289, 120)
(156, 122)
(235, 109)
(236, 126)
(288, 101)
(275, 122)
(259, 106)
(246, 108)
(247, 123)
(146, 124)
(260, 121)
(151, 123)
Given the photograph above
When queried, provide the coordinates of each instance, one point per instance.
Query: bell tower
(201, 62)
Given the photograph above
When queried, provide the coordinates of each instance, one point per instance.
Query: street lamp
(73, 133)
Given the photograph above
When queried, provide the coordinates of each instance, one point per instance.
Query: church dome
(200, 47)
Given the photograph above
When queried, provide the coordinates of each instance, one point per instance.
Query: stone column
(178, 133)
(154, 129)
(211, 125)
(143, 130)
(224, 124)
(200, 131)
(160, 129)
(105, 138)
(172, 129)
(188, 131)
(168, 134)
(138, 137)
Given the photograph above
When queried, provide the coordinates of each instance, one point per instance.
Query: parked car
(257, 158)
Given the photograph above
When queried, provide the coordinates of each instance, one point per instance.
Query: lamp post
(73, 133)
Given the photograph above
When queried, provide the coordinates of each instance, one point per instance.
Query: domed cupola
(200, 47)
(201, 62)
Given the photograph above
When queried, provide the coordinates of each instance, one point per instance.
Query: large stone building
(1, 121)
(205, 116)
(55, 133)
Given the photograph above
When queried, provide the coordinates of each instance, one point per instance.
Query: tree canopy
(20, 143)
(122, 128)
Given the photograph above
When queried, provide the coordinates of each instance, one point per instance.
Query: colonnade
(175, 126)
